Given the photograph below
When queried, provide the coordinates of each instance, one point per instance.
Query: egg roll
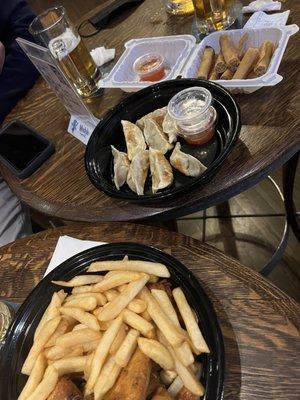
(265, 55)
(227, 75)
(248, 61)
(206, 63)
(229, 52)
(220, 65)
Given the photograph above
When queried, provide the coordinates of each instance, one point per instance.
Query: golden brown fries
(190, 322)
(44, 335)
(112, 309)
(123, 339)
(77, 338)
(101, 352)
(127, 348)
(137, 322)
(157, 352)
(80, 280)
(83, 317)
(35, 377)
(133, 265)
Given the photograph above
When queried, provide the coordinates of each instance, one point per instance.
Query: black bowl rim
(143, 251)
(159, 196)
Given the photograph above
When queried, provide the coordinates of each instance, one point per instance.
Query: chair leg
(288, 180)
(226, 227)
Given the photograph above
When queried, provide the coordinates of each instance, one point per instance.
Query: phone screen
(19, 145)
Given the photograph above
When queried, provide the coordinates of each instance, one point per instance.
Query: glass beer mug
(179, 7)
(53, 29)
(214, 14)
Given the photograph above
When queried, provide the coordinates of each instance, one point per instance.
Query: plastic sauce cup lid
(148, 64)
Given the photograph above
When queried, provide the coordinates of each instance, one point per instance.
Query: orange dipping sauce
(202, 137)
(150, 67)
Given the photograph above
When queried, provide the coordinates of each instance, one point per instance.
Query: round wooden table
(260, 324)
(269, 136)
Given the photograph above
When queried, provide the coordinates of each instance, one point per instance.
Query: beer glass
(214, 14)
(53, 29)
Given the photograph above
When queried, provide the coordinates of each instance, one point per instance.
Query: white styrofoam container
(183, 57)
(279, 36)
(175, 50)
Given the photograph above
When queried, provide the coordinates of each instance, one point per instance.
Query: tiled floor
(252, 240)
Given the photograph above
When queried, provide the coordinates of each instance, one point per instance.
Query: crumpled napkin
(262, 5)
(68, 247)
(101, 55)
(262, 20)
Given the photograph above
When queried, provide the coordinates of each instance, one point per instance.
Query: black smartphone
(22, 149)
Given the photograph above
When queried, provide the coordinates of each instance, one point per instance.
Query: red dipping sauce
(150, 67)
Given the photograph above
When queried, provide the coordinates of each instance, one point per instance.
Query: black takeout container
(99, 159)
(20, 335)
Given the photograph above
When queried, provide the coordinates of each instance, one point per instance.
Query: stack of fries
(96, 329)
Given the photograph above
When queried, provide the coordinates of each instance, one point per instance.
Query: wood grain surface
(269, 137)
(260, 324)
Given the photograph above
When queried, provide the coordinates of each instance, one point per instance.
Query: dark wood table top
(269, 136)
(260, 324)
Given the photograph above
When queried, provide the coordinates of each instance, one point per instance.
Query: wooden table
(269, 137)
(260, 324)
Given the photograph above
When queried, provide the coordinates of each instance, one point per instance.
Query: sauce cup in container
(194, 115)
(150, 67)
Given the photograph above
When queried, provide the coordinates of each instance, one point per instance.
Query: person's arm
(18, 74)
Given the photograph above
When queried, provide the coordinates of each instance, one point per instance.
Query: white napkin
(262, 20)
(67, 247)
(262, 5)
(101, 55)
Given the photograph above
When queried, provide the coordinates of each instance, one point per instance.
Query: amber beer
(180, 7)
(76, 62)
(215, 13)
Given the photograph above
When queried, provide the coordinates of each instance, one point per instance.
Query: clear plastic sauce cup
(150, 67)
(194, 115)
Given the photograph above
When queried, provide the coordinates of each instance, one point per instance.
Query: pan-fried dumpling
(134, 137)
(157, 115)
(121, 167)
(155, 137)
(170, 128)
(138, 172)
(161, 170)
(185, 163)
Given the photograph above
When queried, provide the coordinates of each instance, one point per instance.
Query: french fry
(90, 346)
(78, 327)
(190, 322)
(83, 289)
(137, 322)
(46, 386)
(184, 354)
(175, 386)
(112, 309)
(157, 352)
(122, 287)
(58, 352)
(127, 348)
(62, 328)
(147, 267)
(62, 295)
(77, 338)
(83, 317)
(87, 367)
(111, 294)
(80, 280)
(44, 335)
(101, 299)
(51, 312)
(104, 325)
(137, 305)
(166, 305)
(167, 377)
(145, 314)
(107, 378)
(35, 377)
(70, 365)
(153, 279)
(118, 340)
(85, 303)
(101, 352)
(174, 334)
(117, 279)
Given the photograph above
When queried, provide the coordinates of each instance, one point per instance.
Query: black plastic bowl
(99, 160)
(20, 335)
